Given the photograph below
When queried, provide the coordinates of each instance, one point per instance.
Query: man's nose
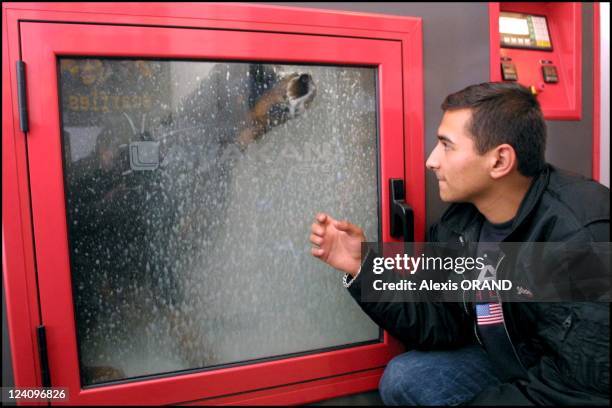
(432, 162)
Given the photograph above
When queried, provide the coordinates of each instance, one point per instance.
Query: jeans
(448, 377)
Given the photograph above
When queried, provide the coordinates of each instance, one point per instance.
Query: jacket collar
(460, 216)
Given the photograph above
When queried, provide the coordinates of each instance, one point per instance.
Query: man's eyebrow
(443, 138)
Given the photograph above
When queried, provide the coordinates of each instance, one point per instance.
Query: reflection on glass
(190, 189)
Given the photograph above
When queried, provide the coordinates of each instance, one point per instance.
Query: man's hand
(337, 243)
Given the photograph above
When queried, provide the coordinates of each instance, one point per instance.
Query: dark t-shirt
(490, 235)
(495, 232)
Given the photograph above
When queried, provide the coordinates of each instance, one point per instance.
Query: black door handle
(402, 215)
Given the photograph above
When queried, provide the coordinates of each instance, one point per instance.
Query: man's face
(462, 173)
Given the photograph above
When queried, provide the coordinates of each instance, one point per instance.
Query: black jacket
(563, 346)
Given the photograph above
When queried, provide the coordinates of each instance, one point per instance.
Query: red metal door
(42, 45)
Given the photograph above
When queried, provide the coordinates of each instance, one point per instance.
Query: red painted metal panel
(404, 51)
(225, 16)
(596, 93)
(495, 73)
(562, 100)
(303, 393)
(413, 126)
(18, 270)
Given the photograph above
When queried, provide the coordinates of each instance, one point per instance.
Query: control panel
(539, 45)
(527, 32)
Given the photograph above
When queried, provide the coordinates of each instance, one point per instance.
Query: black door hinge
(44, 358)
(23, 105)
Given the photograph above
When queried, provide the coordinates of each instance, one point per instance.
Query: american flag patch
(489, 313)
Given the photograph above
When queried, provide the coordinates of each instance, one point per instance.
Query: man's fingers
(317, 229)
(321, 217)
(315, 239)
(347, 227)
(317, 252)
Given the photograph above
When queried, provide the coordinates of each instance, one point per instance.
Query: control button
(549, 72)
(509, 71)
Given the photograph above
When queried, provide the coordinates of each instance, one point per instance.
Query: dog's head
(283, 96)
(301, 91)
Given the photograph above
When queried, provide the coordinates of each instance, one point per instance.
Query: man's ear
(503, 160)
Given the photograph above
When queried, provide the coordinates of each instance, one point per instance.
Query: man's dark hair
(504, 113)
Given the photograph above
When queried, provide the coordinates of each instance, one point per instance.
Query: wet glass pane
(190, 188)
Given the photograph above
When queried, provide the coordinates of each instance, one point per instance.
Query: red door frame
(20, 264)
(596, 170)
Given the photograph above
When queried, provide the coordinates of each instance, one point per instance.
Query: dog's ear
(261, 78)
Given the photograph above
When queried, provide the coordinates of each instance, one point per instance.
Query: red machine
(36, 254)
(540, 46)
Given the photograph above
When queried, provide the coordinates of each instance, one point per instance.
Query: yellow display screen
(517, 30)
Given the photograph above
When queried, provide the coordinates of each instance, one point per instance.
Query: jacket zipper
(497, 293)
(516, 356)
(497, 277)
(462, 242)
(476, 332)
(567, 324)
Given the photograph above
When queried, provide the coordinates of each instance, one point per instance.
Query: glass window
(190, 190)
